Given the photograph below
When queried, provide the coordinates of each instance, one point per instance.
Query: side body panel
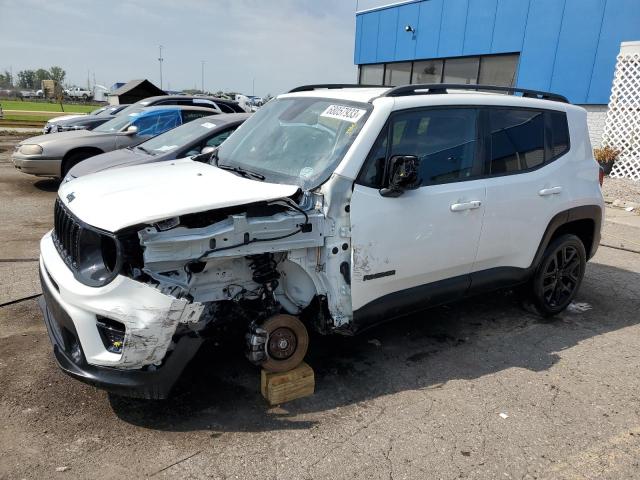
(412, 240)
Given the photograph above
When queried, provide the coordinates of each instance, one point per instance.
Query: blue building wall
(565, 46)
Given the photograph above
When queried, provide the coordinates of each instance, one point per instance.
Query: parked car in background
(54, 155)
(193, 138)
(84, 122)
(219, 105)
(78, 93)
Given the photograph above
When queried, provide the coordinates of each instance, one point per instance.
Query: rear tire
(287, 343)
(559, 275)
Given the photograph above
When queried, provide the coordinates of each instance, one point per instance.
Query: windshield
(179, 137)
(297, 141)
(120, 122)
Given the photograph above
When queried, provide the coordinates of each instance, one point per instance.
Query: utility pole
(160, 60)
(202, 76)
(253, 87)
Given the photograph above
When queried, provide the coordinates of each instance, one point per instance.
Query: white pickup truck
(78, 92)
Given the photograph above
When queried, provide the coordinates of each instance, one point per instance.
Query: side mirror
(404, 175)
(206, 150)
(131, 130)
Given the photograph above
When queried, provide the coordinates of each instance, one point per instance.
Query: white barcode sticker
(343, 112)
(208, 125)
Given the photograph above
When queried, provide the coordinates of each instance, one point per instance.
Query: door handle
(550, 191)
(460, 207)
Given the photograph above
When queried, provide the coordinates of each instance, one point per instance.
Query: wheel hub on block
(282, 343)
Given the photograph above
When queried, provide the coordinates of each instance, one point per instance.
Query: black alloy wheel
(559, 275)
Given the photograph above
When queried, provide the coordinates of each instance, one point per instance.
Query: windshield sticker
(208, 125)
(342, 112)
(166, 148)
(306, 172)
(201, 100)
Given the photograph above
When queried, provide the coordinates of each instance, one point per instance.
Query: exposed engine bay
(262, 267)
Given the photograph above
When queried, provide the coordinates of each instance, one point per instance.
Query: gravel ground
(621, 189)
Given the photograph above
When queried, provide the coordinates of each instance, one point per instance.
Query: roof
(363, 95)
(454, 97)
(127, 87)
(159, 108)
(188, 97)
(227, 117)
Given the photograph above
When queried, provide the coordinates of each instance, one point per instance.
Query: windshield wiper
(148, 152)
(241, 171)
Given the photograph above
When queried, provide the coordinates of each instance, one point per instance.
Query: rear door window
(157, 123)
(516, 140)
(190, 115)
(218, 138)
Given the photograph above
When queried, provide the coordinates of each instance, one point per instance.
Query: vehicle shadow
(219, 391)
(47, 185)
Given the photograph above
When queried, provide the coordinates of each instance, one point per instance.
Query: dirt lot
(418, 398)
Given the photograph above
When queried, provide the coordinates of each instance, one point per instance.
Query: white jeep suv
(331, 208)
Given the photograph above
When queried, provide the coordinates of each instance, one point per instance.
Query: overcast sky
(280, 43)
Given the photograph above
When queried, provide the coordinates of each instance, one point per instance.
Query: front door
(418, 248)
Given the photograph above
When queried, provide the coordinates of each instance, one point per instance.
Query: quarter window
(516, 140)
(559, 133)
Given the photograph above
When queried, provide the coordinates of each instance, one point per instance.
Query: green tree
(41, 74)
(26, 79)
(5, 80)
(57, 74)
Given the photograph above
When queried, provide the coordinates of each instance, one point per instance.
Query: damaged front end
(137, 304)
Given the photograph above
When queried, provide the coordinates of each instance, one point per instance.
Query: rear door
(527, 179)
(420, 247)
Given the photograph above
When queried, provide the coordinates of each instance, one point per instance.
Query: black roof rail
(330, 86)
(441, 88)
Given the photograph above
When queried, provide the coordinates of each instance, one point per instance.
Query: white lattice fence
(622, 128)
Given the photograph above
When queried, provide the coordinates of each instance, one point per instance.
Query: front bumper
(39, 166)
(152, 384)
(71, 310)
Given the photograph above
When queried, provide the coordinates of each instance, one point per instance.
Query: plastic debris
(62, 469)
(578, 307)
(504, 416)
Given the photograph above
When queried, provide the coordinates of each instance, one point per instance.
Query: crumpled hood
(115, 199)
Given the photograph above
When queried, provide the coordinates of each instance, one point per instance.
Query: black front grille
(66, 235)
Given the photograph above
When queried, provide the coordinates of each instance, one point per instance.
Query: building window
(397, 74)
(485, 70)
(461, 70)
(371, 74)
(498, 70)
(428, 71)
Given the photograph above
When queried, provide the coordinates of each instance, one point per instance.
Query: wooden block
(286, 386)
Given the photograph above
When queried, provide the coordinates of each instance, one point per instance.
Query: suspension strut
(265, 274)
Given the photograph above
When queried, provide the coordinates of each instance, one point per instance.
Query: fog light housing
(112, 334)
